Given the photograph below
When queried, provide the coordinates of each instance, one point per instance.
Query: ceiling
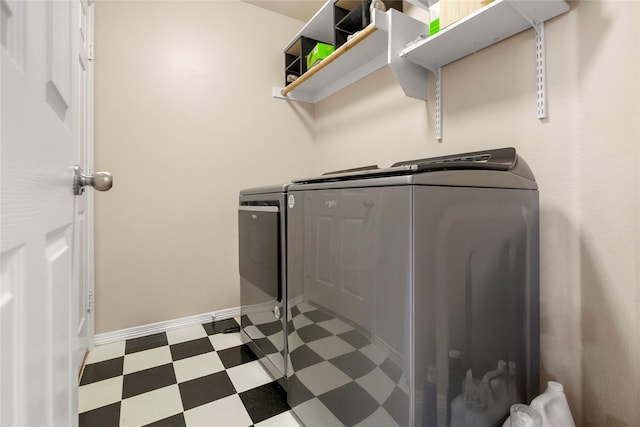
(298, 9)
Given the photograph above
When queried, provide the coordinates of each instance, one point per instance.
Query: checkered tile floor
(195, 376)
(338, 376)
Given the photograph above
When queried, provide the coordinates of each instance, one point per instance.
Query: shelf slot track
(438, 74)
(541, 72)
(541, 65)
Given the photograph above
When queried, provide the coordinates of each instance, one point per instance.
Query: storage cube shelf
(366, 52)
(295, 57)
(350, 17)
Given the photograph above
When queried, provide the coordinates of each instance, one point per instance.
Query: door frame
(90, 232)
(85, 229)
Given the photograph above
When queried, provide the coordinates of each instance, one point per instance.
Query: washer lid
(502, 159)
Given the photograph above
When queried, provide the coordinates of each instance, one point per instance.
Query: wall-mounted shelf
(400, 42)
(374, 47)
(497, 21)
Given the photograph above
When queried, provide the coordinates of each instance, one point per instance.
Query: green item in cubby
(318, 53)
(434, 14)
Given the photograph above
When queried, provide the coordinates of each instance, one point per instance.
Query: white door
(41, 130)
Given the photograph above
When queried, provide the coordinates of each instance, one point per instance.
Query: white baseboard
(167, 325)
(227, 313)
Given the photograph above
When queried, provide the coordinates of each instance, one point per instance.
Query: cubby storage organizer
(295, 58)
(351, 16)
(375, 46)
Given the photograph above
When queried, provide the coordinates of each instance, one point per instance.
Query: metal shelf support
(541, 65)
(438, 74)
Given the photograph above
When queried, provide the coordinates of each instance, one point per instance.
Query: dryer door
(260, 281)
(260, 248)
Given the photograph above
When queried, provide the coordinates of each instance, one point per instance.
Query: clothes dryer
(263, 283)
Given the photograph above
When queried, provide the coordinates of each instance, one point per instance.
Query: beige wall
(586, 158)
(184, 120)
(174, 120)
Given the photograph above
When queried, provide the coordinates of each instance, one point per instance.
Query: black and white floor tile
(337, 373)
(201, 376)
(194, 376)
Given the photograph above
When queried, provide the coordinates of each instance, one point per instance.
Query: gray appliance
(262, 257)
(413, 293)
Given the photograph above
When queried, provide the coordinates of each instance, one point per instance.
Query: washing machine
(412, 292)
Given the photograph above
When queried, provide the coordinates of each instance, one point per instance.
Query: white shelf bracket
(541, 71)
(438, 73)
(412, 77)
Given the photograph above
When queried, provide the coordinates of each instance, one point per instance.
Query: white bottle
(498, 398)
(470, 408)
(553, 407)
(524, 416)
